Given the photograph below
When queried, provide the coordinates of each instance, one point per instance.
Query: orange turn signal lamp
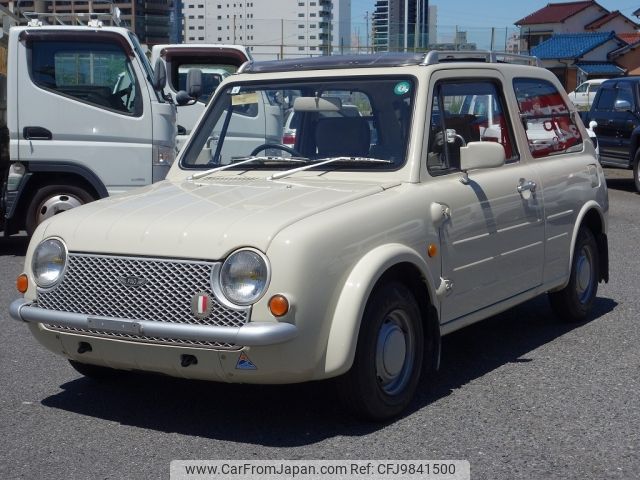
(432, 250)
(278, 305)
(22, 283)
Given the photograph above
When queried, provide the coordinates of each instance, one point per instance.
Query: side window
(99, 74)
(582, 88)
(549, 125)
(606, 99)
(464, 112)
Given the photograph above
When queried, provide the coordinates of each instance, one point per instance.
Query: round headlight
(48, 263)
(244, 277)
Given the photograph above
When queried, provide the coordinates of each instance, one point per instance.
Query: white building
(271, 29)
(433, 24)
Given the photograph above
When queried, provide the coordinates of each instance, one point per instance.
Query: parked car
(615, 117)
(341, 256)
(582, 97)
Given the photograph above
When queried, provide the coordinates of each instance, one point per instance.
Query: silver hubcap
(57, 204)
(584, 275)
(395, 352)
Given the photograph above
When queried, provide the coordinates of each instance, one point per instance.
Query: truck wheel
(95, 372)
(636, 171)
(51, 200)
(388, 359)
(573, 303)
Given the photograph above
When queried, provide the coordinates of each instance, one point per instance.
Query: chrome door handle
(528, 185)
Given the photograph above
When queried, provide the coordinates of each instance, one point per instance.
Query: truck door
(81, 103)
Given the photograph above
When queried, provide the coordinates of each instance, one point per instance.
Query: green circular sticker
(401, 88)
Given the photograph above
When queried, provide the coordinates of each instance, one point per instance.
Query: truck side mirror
(159, 75)
(194, 82)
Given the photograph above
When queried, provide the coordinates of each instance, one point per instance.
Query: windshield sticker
(244, 98)
(235, 90)
(402, 88)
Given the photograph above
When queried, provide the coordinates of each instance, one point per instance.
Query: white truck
(215, 62)
(86, 118)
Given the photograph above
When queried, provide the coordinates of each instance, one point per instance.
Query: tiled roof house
(574, 40)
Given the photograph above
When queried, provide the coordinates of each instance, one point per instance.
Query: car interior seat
(342, 137)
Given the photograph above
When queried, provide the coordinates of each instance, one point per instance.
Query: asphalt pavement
(520, 395)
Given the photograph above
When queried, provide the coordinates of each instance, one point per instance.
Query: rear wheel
(52, 200)
(573, 303)
(388, 360)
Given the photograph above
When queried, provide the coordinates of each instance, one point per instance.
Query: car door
(81, 104)
(492, 241)
(564, 167)
(610, 114)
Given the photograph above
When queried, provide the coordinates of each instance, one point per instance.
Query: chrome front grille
(138, 289)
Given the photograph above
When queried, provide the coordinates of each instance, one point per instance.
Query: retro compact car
(347, 254)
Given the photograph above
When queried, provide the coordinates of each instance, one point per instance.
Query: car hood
(204, 219)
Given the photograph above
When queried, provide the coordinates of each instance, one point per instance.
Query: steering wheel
(277, 146)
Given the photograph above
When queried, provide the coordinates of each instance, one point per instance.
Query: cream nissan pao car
(466, 185)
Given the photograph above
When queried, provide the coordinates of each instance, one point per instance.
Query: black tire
(96, 372)
(574, 302)
(636, 171)
(51, 200)
(379, 384)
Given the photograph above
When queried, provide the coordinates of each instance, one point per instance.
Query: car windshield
(343, 119)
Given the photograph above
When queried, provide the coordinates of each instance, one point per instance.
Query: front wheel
(52, 200)
(388, 359)
(573, 303)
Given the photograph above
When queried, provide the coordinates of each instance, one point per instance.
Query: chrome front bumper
(250, 334)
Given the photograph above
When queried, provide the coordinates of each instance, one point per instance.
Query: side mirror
(159, 75)
(194, 82)
(622, 106)
(183, 98)
(593, 124)
(481, 155)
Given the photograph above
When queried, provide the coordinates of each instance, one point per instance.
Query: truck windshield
(351, 118)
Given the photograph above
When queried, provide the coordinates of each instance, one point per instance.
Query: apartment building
(151, 20)
(400, 25)
(271, 29)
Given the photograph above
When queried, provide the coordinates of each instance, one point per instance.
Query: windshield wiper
(244, 160)
(286, 173)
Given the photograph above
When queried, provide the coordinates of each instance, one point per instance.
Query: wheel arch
(592, 217)
(41, 175)
(385, 263)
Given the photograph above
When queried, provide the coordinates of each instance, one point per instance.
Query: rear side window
(548, 122)
(99, 74)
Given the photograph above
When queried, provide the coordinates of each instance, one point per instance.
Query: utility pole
(406, 25)
(366, 17)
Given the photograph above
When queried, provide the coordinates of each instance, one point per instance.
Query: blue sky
(477, 16)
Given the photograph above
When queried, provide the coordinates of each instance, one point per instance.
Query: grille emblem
(132, 281)
(200, 305)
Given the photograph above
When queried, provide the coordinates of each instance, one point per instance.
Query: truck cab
(86, 119)
(215, 62)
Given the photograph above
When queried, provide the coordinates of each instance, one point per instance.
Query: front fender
(345, 324)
